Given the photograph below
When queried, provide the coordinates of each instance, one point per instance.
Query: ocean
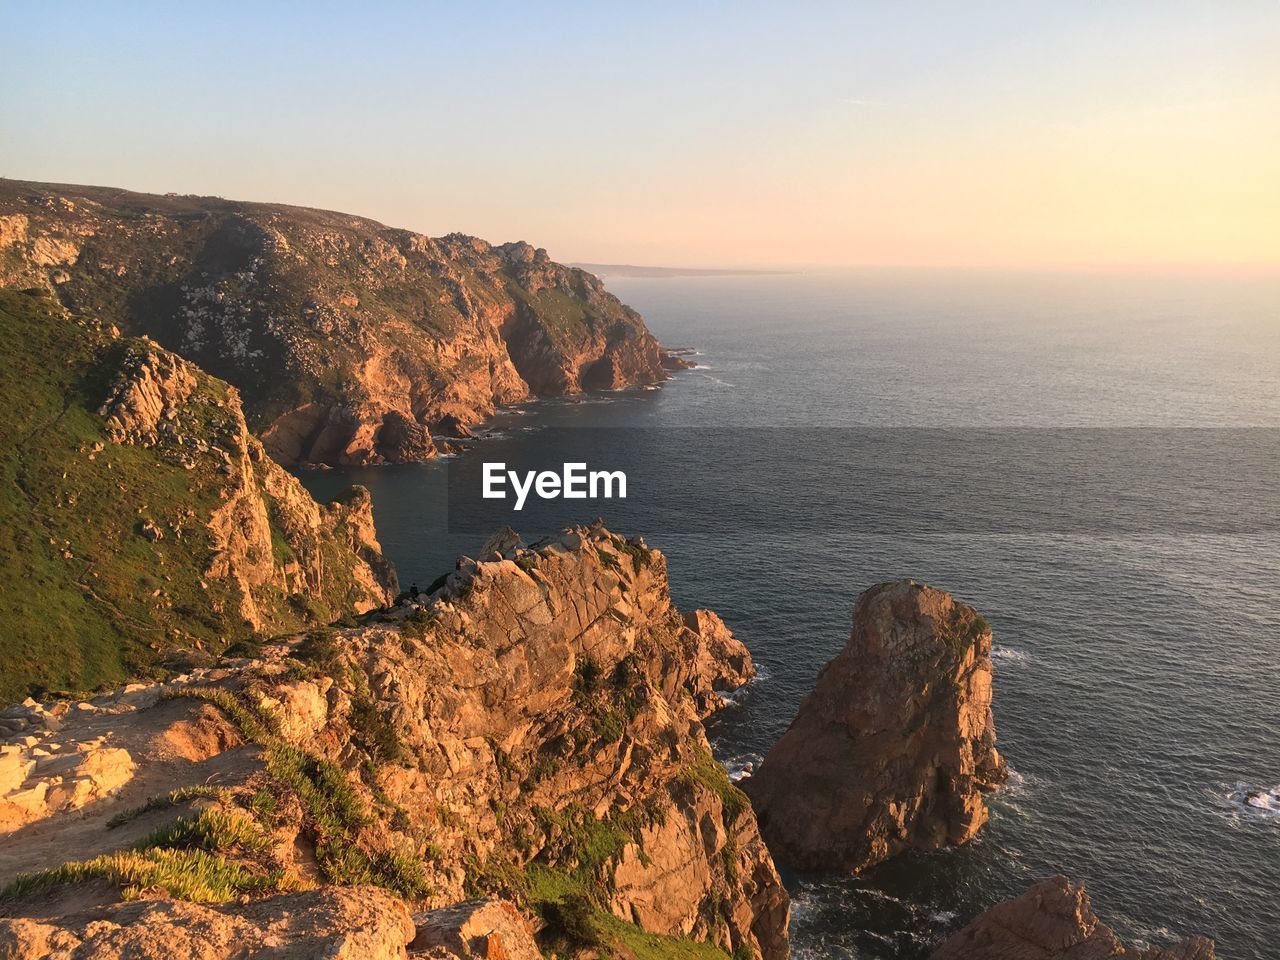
(1088, 459)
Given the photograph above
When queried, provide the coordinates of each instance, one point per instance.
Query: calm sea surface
(1091, 461)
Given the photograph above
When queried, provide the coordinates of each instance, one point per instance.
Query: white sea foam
(1261, 802)
(1008, 655)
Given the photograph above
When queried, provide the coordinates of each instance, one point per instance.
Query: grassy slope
(85, 600)
(76, 580)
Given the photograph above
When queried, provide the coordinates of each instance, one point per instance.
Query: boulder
(485, 929)
(1054, 921)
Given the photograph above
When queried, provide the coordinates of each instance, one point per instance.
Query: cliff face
(896, 744)
(1054, 921)
(531, 731)
(350, 341)
(142, 521)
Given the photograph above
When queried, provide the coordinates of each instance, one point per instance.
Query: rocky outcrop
(895, 746)
(720, 660)
(349, 340)
(161, 529)
(1054, 921)
(487, 929)
(531, 730)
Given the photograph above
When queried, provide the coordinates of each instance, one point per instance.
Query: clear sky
(694, 133)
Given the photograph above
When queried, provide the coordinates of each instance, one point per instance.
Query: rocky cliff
(1054, 921)
(895, 746)
(350, 341)
(141, 522)
(531, 730)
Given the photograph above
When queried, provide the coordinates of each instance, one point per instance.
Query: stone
(1054, 921)
(487, 929)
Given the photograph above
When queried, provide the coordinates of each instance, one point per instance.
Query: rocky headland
(351, 342)
(531, 731)
(895, 747)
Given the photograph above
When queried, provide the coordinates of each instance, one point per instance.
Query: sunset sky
(689, 134)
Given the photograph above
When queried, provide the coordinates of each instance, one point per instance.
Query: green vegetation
(210, 830)
(86, 599)
(639, 555)
(962, 631)
(173, 798)
(574, 920)
(182, 874)
(706, 770)
(335, 813)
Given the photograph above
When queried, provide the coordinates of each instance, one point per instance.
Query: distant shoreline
(630, 270)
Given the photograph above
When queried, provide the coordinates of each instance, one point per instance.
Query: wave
(717, 381)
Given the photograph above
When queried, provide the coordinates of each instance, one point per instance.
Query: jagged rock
(354, 923)
(344, 335)
(1054, 921)
(500, 543)
(451, 426)
(36, 782)
(402, 439)
(895, 746)
(481, 929)
(721, 661)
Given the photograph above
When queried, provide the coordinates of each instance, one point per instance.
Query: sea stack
(895, 747)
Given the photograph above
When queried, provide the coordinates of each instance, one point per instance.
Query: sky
(1027, 134)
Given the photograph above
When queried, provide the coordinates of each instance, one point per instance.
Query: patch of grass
(336, 815)
(183, 874)
(256, 725)
(706, 770)
(163, 801)
(212, 830)
(639, 555)
(574, 920)
(374, 731)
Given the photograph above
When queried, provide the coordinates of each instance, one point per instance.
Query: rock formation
(156, 524)
(349, 340)
(1054, 921)
(531, 730)
(895, 746)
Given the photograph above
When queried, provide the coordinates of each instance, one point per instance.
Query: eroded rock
(1054, 921)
